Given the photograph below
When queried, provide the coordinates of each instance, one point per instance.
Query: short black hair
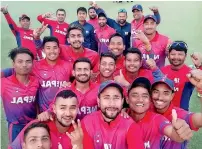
(66, 94)
(36, 125)
(75, 27)
(177, 47)
(91, 8)
(116, 35)
(20, 50)
(108, 54)
(82, 59)
(60, 9)
(132, 50)
(81, 9)
(50, 39)
(102, 15)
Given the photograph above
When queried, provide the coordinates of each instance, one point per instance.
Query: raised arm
(11, 23)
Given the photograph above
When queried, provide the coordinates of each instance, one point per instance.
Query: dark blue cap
(137, 7)
(150, 17)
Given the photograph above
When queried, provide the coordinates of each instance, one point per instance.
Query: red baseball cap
(24, 16)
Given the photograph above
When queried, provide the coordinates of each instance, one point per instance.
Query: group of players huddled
(100, 83)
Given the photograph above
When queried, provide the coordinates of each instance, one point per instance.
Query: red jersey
(167, 143)
(67, 53)
(152, 126)
(23, 37)
(19, 100)
(57, 29)
(141, 73)
(87, 100)
(55, 135)
(183, 88)
(94, 22)
(102, 35)
(118, 134)
(50, 78)
(158, 49)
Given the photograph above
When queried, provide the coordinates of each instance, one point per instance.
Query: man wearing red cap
(23, 34)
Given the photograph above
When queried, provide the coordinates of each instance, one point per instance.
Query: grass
(179, 21)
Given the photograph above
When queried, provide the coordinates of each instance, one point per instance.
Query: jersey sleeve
(93, 41)
(45, 20)
(158, 17)
(161, 123)
(87, 140)
(12, 24)
(134, 140)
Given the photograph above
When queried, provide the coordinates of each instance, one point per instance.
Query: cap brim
(112, 85)
(150, 18)
(156, 82)
(22, 18)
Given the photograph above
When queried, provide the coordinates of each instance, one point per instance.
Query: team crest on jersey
(126, 33)
(87, 32)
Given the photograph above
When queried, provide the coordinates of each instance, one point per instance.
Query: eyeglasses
(180, 44)
(122, 10)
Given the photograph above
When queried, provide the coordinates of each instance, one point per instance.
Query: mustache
(83, 75)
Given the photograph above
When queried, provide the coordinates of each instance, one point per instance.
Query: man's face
(25, 23)
(65, 110)
(102, 21)
(36, 140)
(149, 27)
(116, 46)
(107, 67)
(139, 100)
(61, 16)
(51, 51)
(110, 103)
(176, 58)
(82, 16)
(92, 14)
(76, 38)
(133, 62)
(122, 16)
(161, 96)
(23, 64)
(137, 14)
(82, 72)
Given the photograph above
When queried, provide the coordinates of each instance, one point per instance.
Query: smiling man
(154, 126)
(106, 128)
(23, 34)
(58, 27)
(162, 96)
(64, 132)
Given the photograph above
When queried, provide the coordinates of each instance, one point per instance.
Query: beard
(121, 21)
(62, 124)
(180, 62)
(112, 117)
(82, 81)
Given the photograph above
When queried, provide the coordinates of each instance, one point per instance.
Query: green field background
(179, 21)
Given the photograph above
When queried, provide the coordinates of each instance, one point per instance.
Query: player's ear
(98, 101)
(54, 108)
(23, 145)
(68, 40)
(127, 100)
(73, 72)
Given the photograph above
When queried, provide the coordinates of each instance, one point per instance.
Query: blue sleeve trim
(186, 96)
